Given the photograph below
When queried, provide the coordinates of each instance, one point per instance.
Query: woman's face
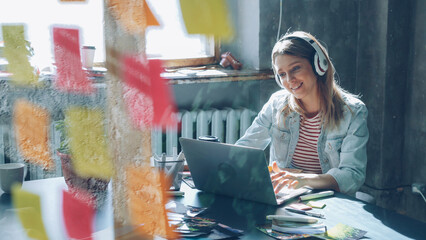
(298, 77)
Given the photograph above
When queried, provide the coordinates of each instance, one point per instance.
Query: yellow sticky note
(208, 17)
(17, 54)
(31, 124)
(88, 144)
(147, 200)
(316, 204)
(29, 212)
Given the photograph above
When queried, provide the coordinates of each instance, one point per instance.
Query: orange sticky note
(208, 17)
(150, 18)
(29, 212)
(133, 16)
(32, 133)
(147, 200)
(17, 55)
(88, 145)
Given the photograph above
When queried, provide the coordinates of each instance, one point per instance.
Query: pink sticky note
(78, 216)
(70, 75)
(144, 75)
(139, 107)
(164, 104)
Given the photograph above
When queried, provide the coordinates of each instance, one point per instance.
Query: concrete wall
(378, 48)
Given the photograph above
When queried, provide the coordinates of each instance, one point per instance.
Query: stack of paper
(296, 224)
(298, 228)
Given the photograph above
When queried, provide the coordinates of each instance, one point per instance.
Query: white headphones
(320, 60)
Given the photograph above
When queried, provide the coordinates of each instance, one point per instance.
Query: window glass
(168, 41)
(39, 16)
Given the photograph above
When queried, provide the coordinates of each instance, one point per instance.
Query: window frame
(193, 62)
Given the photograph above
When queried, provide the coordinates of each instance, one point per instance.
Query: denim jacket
(341, 150)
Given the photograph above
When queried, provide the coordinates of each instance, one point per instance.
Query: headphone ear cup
(321, 65)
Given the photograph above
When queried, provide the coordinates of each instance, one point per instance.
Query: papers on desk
(338, 232)
(186, 222)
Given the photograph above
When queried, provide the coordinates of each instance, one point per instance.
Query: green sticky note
(207, 17)
(17, 54)
(29, 211)
(88, 145)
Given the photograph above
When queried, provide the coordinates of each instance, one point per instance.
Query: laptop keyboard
(287, 193)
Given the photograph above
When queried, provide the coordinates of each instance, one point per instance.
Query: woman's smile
(297, 87)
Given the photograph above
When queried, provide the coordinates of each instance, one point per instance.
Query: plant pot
(76, 184)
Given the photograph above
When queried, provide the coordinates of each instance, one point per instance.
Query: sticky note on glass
(133, 16)
(147, 201)
(145, 75)
(16, 51)
(29, 212)
(70, 76)
(31, 124)
(208, 17)
(78, 216)
(88, 145)
(139, 107)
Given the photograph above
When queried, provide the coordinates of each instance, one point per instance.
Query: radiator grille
(226, 124)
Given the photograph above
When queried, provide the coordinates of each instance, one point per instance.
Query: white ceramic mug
(11, 173)
(87, 56)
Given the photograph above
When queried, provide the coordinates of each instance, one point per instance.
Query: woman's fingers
(276, 176)
(275, 167)
(293, 184)
(280, 185)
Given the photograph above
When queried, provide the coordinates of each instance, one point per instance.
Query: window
(168, 42)
(39, 16)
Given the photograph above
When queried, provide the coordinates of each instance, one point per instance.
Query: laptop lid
(231, 170)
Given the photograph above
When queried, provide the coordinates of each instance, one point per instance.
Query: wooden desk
(245, 215)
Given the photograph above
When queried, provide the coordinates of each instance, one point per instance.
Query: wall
(414, 134)
(378, 49)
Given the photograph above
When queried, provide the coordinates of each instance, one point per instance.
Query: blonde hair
(331, 100)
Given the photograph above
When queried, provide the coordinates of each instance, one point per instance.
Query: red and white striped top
(305, 156)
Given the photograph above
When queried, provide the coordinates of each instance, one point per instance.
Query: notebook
(234, 171)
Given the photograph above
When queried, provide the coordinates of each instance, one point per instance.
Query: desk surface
(245, 215)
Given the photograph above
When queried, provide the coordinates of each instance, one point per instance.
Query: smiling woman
(313, 125)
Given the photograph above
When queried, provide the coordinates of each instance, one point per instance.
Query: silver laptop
(232, 170)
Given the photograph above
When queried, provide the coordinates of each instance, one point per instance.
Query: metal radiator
(226, 124)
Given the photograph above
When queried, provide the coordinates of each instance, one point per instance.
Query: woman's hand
(280, 178)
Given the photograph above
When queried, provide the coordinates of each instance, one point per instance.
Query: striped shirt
(306, 154)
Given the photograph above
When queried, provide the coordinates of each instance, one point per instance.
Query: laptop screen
(230, 170)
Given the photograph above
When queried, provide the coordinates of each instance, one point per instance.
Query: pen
(292, 218)
(316, 195)
(176, 193)
(304, 212)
